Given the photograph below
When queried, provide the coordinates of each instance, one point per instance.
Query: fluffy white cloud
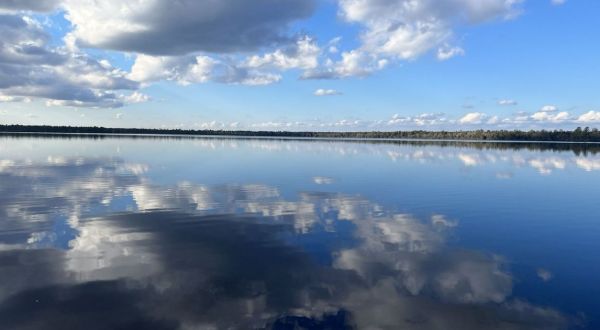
(159, 27)
(183, 69)
(213, 41)
(30, 68)
(196, 69)
(136, 97)
(352, 63)
(424, 119)
(550, 116)
(301, 55)
(326, 92)
(589, 117)
(407, 29)
(472, 118)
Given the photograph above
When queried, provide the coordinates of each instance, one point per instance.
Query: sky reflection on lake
(233, 233)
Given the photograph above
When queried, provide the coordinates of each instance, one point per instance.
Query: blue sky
(301, 64)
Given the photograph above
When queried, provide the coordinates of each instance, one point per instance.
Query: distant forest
(578, 135)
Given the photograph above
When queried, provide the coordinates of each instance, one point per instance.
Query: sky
(317, 65)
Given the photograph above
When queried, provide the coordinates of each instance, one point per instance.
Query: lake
(222, 233)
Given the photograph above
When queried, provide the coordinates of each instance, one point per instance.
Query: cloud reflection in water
(93, 243)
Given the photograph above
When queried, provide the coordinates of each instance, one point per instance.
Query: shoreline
(275, 136)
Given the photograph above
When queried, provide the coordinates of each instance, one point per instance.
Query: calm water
(249, 233)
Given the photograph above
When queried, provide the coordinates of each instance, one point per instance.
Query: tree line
(577, 135)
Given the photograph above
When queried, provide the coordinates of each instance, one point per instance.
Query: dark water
(121, 233)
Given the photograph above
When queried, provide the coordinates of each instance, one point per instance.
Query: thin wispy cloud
(326, 92)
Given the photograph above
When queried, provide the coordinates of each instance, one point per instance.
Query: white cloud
(187, 69)
(589, 117)
(475, 120)
(31, 68)
(507, 102)
(326, 92)
(352, 63)
(406, 29)
(136, 97)
(550, 116)
(302, 55)
(196, 69)
(199, 41)
(472, 118)
(446, 52)
(424, 119)
(549, 108)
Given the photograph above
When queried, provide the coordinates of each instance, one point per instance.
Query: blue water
(219, 233)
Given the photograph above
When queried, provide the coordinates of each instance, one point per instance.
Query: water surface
(217, 233)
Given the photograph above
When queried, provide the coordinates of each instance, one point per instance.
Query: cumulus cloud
(549, 116)
(158, 27)
(352, 63)
(136, 97)
(326, 92)
(229, 41)
(24, 42)
(405, 29)
(186, 70)
(472, 118)
(589, 117)
(418, 120)
(258, 69)
(30, 68)
(301, 55)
